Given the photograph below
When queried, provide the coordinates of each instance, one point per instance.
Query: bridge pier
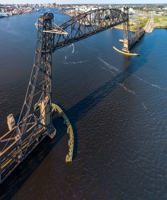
(126, 45)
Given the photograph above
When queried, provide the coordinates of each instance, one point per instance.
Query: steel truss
(126, 32)
(135, 37)
(88, 24)
(35, 121)
(130, 40)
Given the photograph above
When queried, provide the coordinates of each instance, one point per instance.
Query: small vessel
(10, 122)
(4, 14)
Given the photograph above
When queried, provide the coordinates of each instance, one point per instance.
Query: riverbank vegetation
(135, 24)
(160, 21)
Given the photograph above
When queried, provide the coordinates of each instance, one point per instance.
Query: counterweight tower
(126, 31)
(37, 107)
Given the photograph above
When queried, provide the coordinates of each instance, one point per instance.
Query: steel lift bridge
(35, 120)
(130, 39)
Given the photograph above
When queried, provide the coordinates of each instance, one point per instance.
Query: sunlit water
(117, 106)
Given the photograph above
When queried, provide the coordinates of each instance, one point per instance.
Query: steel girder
(88, 24)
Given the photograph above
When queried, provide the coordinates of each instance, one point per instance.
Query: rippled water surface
(117, 106)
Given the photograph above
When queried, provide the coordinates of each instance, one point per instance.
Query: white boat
(4, 14)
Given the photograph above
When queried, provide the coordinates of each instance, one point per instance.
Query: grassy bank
(136, 26)
(160, 22)
(133, 26)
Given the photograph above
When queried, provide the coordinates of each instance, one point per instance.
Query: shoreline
(119, 28)
(12, 14)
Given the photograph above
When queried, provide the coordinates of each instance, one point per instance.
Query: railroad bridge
(35, 120)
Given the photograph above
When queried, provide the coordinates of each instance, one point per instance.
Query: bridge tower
(126, 32)
(37, 107)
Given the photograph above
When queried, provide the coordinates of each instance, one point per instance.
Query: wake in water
(132, 92)
(125, 88)
(108, 65)
(144, 106)
(65, 48)
(112, 67)
(74, 63)
(109, 70)
(87, 46)
(153, 85)
(73, 50)
(142, 103)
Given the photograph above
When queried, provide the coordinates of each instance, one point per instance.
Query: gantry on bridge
(35, 120)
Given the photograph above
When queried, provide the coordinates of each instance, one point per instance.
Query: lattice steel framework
(88, 24)
(135, 37)
(126, 31)
(129, 39)
(39, 88)
(35, 121)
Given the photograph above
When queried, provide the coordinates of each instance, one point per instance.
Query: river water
(117, 106)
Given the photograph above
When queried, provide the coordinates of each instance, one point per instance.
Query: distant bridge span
(88, 24)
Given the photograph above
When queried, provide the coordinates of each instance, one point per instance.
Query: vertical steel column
(39, 89)
(46, 103)
(126, 32)
(47, 75)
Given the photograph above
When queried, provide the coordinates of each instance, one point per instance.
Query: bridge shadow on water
(13, 183)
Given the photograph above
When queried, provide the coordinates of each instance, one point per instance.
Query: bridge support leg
(46, 105)
(39, 90)
(126, 32)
